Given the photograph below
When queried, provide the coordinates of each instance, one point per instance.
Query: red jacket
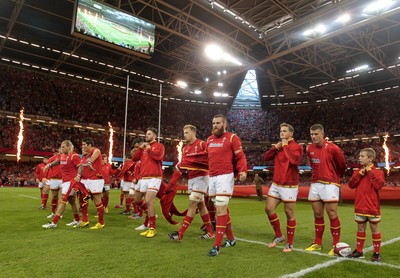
(55, 171)
(367, 187)
(151, 160)
(127, 171)
(195, 159)
(286, 162)
(39, 174)
(328, 162)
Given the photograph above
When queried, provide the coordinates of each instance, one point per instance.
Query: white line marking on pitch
(334, 260)
(27, 196)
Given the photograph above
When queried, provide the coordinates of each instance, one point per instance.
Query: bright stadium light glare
(317, 30)
(214, 52)
(197, 92)
(182, 84)
(343, 18)
(377, 6)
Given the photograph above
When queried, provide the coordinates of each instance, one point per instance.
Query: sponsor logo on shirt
(216, 145)
(315, 160)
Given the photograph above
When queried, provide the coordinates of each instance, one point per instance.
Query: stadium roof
(301, 52)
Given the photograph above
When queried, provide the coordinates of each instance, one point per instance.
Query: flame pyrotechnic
(20, 134)
(385, 147)
(179, 149)
(111, 140)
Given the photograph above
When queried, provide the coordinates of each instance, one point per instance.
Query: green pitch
(27, 250)
(110, 32)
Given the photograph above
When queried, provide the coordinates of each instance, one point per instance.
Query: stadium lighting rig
(217, 54)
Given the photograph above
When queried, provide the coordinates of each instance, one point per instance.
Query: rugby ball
(342, 249)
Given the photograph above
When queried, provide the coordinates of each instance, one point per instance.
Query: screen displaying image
(98, 22)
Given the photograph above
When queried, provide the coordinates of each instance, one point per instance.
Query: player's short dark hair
(88, 141)
(317, 126)
(135, 141)
(152, 129)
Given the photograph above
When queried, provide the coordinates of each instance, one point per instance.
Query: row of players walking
(212, 167)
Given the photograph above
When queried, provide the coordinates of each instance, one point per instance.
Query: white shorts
(221, 185)
(328, 192)
(54, 184)
(152, 184)
(284, 193)
(65, 187)
(40, 184)
(198, 184)
(137, 186)
(94, 186)
(126, 185)
(367, 218)
(106, 187)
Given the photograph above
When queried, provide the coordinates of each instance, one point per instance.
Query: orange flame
(179, 149)
(20, 134)
(385, 147)
(111, 140)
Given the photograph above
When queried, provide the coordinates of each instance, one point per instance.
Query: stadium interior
(302, 62)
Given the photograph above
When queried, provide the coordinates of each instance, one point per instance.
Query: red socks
(290, 228)
(376, 240)
(335, 230)
(186, 223)
(360, 241)
(220, 229)
(319, 226)
(207, 223)
(274, 220)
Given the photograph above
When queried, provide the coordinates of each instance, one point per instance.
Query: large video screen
(103, 24)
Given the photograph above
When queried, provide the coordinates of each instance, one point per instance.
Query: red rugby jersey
(39, 174)
(69, 166)
(328, 162)
(55, 171)
(221, 154)
(89, 174)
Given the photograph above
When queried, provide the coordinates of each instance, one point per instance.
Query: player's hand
(278, 145)
(362, 172)
(243, 176)
(46, 168)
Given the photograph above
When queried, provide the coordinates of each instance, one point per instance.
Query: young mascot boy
(367, 181)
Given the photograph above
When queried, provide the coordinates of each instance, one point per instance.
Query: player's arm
(136, 156)
(339, 160)
(355, 179)
(94, 156)
(239, 158)
(79, 175)
(270, 154)
(294, 156)
(53, 161)
(377, 178)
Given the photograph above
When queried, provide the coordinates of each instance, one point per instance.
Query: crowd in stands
(64, 100)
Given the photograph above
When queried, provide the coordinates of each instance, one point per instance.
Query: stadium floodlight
(217, 94)
(359, 68)
(197, 92)
(317, 30)
(214, 52)
(182, 84)
(220, 84)
(377, 6)
(343, 18)
(207, 79)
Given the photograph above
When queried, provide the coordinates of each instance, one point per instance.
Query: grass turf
(27, 250)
